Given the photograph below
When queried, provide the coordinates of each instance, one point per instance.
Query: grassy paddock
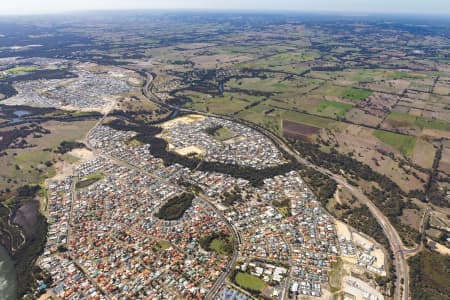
(356, 94)
(225, 104)
(271, 84)
(333, 108)
(403, 143)
(405, 119)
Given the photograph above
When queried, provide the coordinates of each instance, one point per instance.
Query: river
(8, 280)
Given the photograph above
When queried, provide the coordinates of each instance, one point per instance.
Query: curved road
(400, 262)
(237, 239)
(397, 247)
(413, 251)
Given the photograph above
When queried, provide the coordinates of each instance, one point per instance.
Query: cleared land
(31, 165)
(368, 149)
(299, 131)
(424, 153)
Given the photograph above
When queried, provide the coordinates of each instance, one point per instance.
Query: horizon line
(242, 10)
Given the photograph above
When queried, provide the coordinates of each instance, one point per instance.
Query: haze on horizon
(440, 7)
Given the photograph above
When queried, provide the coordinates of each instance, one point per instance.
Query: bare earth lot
(299, 131)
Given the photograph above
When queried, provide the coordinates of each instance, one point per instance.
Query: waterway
(8, 280)
(19, 115)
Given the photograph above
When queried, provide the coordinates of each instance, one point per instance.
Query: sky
(18, 7)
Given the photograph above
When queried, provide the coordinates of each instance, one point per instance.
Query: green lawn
(285, 211)
(403, 143)
(133, 142)
(356, 94)
(164, 245)
(218, 242)
(20, 69)
(161, 245)
(223, 134)
(249, 282)
(284, 207)
(333, 108)
(89, 180)
(222, 246)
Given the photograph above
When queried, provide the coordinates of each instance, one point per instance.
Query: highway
(397, 247)
(396, 244)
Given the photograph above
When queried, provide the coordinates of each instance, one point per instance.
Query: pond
(20, 114)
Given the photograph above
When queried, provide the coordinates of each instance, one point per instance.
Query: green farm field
(399, 119)
(403, 143)
(343, 92)
(224, 105)
(333, 108)
(258, 114)
(356, 94)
